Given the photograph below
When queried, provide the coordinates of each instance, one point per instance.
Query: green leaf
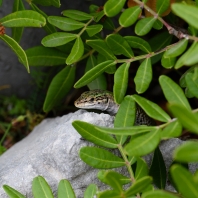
(48, 27)
(177, 49)
(59, 87)
(113, 7)
(93, 29)
(144, 26)
(65, 189)
(186, 117)
(182, 80)
(158, 194)
(174, 129)
(143, 144)
(55, 3)
(65, 24)
(42, 56)
(168, 63)
(162, 6)
(187, 152)
(152, 109)
(100, 46)
(191, 58)
(89, 132)
(12, 192)
(186, 12)
(158, 169)
(118, 45)
(76, 15)
(137, 42)
(173, 92)
(138, 186)
(141, 169)
(40, 188)
(129, 16)
(17, 50)
(100, 158)
(120, 178)
(98, 83)
(192, 84)
(184, 181)
(109, 194)
(1, 1)
(57, 39)
(76, 52)
(158, 25)
(90, 191)
(94, 73)
(24, 18)
(143, 76)
(108, 24)
(120, 82)
(17, 31)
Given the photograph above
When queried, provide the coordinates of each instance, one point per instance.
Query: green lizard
(103, 100)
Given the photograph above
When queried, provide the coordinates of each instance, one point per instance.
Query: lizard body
(103, 100)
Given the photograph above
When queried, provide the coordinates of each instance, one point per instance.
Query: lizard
(103, 100)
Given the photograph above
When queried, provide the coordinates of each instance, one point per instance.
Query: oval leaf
(57, 39)
(168, 62)
(157, 194)
(173, 92)
(120, 82)
(12, 192)
(192, 84)
(162, 6)
(91, 191)
(143, 76)
(93, 29)
(24, 18)
(100, 158)
(59, 87)
(76, 15)
(65, 189)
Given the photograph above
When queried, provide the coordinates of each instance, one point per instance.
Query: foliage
(79, 38)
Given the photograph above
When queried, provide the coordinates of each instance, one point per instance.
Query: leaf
(42, 56)
(143, 76)
(191, 58)
(187, 152)
(129, 16)
(93, 29)
(162, 6)
(113, 7)
(76, 52)
(59, 87)
(40, 188)
(17, 50)
(138, 186)
(176, 50)
(94, 73)
(109, 194)
(76, 15)
(55, 3)
(184, 181)
(186, 12)
(48, 27)
(118, 45)
(120, 178)
(168, 63)
(192, 84)
(65, 189)
(24, 18)
(65, 24)
(100, 158)
(120, 82)
(158, 169)
(173, 92)
(17, 31)
(57, 39)
(143, 144)
(89, 132)
(144, 26)
(141, 169)
(90, 191)
(174, 129)
(137, 42)
(187, 118)
(152, 109)
(12, 192)
(157, 194)
(98, 83)
(100, 46)
(158, 25)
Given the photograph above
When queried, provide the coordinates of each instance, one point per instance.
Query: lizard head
(94, 99)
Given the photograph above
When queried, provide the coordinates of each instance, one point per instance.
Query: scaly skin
(103, 100)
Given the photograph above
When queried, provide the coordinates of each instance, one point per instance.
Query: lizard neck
(111, 107)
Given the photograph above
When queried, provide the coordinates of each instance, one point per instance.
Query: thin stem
(5, 134)
(85, 26)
